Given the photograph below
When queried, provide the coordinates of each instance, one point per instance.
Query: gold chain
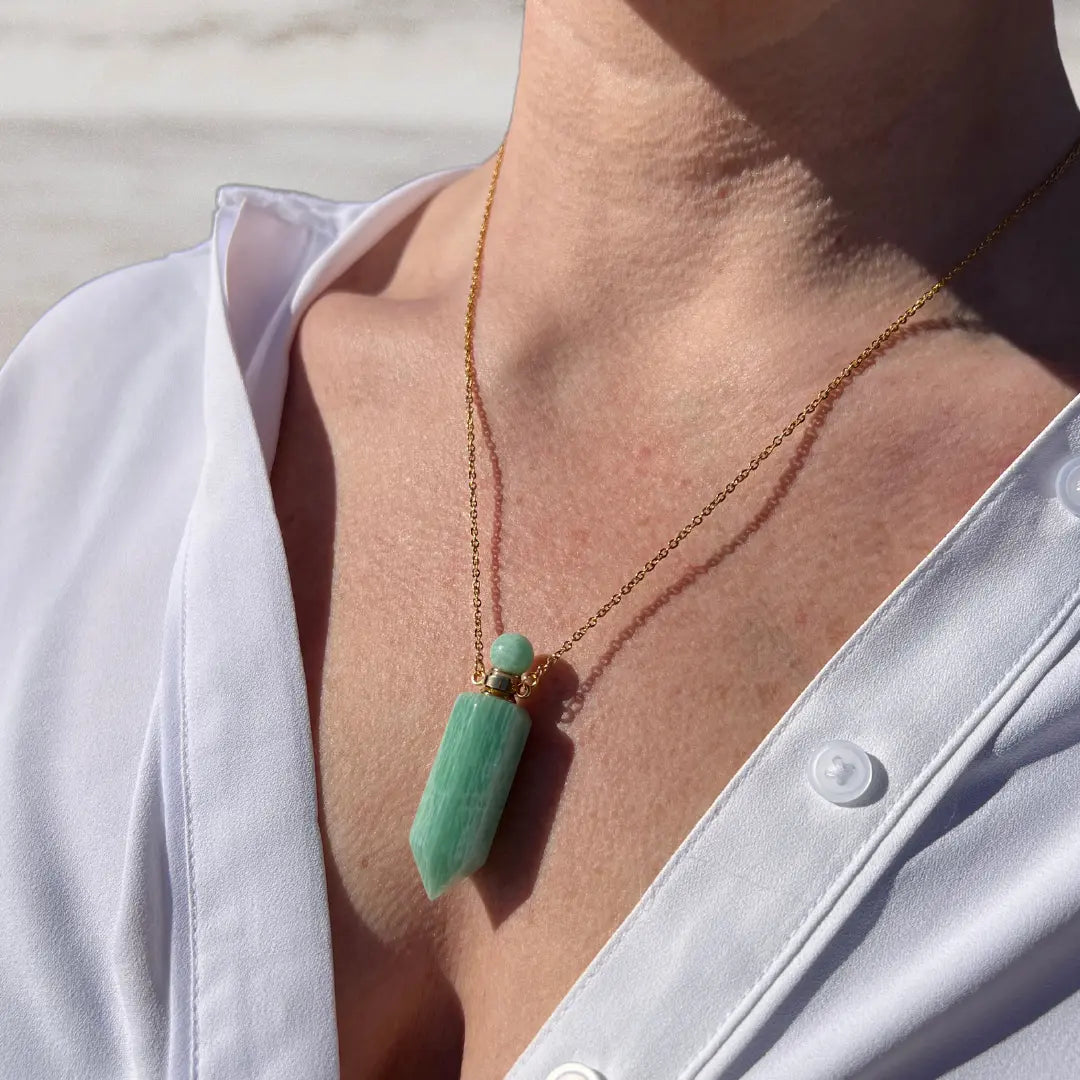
(529, 682)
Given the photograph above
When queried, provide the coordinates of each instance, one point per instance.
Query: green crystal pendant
(474, 767)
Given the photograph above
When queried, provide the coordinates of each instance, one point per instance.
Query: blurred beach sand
(118, 121)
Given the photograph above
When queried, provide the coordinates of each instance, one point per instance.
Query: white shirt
(163, 905)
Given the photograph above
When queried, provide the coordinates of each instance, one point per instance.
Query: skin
(705, 211)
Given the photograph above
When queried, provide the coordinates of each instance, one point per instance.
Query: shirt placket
(785, 852)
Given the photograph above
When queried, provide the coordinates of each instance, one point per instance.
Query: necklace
(485, 735)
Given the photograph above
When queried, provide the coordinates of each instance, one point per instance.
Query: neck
(767, 147)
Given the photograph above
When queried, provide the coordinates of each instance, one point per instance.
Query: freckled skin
(746, 638)
(619, 401)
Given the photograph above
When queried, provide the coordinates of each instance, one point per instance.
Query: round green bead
(512, 653)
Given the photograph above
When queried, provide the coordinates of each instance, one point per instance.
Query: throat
(656, 149)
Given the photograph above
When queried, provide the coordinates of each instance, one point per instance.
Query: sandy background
(118, 119)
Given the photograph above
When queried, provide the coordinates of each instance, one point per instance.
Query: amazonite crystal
(512, 653)
(466, 789)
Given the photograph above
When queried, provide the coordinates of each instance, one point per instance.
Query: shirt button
(840, 771)
(1068, 484)
(572, 1070)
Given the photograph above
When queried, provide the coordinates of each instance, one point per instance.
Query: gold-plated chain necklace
(478, 756)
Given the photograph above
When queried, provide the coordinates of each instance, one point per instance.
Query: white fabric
(162, 892)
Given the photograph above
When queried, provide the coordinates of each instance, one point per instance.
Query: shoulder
(116, 365)
(173, 280)
(133, 300)
(151, 314)
(97, 357)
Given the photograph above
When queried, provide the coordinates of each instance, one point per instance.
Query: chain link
(530, 681)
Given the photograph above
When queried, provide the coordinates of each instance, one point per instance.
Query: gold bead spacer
(501, 684)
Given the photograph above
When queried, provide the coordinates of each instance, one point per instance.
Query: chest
(645, 721)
